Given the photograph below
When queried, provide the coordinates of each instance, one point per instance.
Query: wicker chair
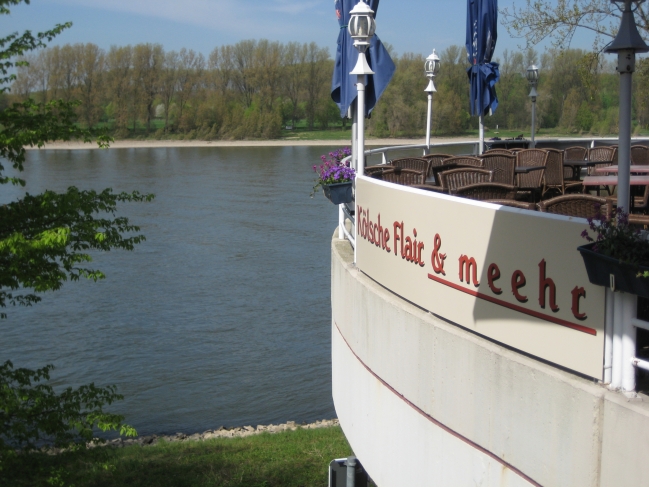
(456, 178)
(486, 191)
(501, 164)
(579, 205)
(497, 151)
(531, 181)
(575, 153)
(415, 163)
(515, 204)
(640, 155)
(607, 154)
(642, 220)
(436, 159)
(641, 203)
(406, 177)
(553, 177)
(375, 171)
(465, 161)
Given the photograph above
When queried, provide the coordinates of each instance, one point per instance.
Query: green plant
(33, 414)
(46, 239)
(333, 170)
(614, 237)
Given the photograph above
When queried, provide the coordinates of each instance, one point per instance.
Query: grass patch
(288, 459)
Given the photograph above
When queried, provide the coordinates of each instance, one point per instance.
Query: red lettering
(578, 292)
(518, 281)
(408, 254)
(437, 258)
(493, 273)
(398, 237)
(469, 267)
(386, 239)
(420, 248)
(544, 283)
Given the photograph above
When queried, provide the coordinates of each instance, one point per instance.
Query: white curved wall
(424, 402)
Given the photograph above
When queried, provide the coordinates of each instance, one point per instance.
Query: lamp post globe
(532, 76)
(361, 25)
(361, 28)
(431, 68)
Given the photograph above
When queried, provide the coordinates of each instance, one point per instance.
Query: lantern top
(361, 25)
(532, 74)
(628, 37)
(431, 66)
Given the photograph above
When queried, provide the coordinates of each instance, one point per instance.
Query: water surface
(222, 317)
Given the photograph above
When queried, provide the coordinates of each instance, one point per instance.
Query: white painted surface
(553, 426)
(527, 244)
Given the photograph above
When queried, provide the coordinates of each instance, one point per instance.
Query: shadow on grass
(290, 459)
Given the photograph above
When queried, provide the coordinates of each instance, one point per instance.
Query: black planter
(338, 193)
(600, 267)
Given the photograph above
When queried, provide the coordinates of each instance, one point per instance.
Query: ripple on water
(222, 316)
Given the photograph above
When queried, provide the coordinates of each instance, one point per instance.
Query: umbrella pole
(481, 148)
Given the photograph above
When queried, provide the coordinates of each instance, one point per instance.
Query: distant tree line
(578, 93)
(247, 90)
(254, 88)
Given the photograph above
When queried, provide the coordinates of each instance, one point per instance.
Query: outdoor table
(527, 169)
(577, 164)
(612, 181)
(581, 162)
(634, 168)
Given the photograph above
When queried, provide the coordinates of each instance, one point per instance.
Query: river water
(222, 317)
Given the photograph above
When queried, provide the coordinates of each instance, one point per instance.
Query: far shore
(152, 144)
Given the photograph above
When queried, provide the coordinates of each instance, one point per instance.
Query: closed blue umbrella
(481, 34)
(343, 86)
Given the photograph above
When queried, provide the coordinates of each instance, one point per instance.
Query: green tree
(46, 239)
(559, 20)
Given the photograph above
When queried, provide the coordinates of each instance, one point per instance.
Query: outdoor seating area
(567, 182)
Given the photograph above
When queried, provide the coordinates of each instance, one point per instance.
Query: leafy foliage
(560, 20)
(33, 413)
(614, 237)
(46, 239)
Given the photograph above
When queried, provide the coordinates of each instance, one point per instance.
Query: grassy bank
(287, 459)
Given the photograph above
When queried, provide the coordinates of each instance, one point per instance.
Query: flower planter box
(600, 267)
(338, 193)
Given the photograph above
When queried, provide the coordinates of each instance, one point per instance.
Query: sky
(415, 26)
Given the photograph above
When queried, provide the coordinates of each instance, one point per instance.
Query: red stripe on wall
(520, 309)
(436, 422)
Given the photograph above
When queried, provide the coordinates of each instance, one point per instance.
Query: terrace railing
(620, 351)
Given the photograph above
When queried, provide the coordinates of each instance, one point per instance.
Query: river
(221, 317)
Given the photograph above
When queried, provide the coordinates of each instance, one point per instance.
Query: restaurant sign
(511, 275)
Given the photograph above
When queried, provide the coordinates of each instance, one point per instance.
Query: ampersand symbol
(438, 258)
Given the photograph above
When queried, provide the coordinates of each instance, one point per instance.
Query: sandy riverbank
(149, 144)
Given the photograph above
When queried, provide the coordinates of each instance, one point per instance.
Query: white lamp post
(431, 68)
(627, 42)
(361, 28)
(533, 77)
